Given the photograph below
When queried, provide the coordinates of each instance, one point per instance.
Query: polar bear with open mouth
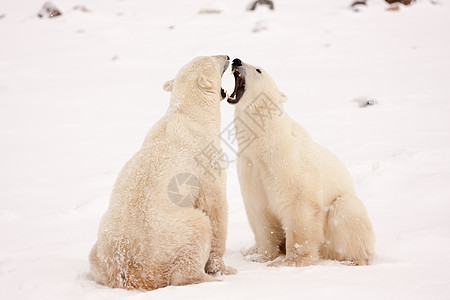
(298, 196)
(167, 219)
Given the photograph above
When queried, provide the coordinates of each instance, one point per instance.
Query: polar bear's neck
(262, 115)
(200, 110)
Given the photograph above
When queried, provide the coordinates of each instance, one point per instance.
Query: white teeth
(240, 76)
(234, 70)
(226, 94)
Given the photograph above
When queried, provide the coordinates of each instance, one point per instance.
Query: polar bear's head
(250, 82)
(200, 78)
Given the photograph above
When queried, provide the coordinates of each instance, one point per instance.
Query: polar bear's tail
(348, 233)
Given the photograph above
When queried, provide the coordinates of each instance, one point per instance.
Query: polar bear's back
(335, 179)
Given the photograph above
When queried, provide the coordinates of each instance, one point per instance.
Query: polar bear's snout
(226, 59)
(237, 62)
(239, 81)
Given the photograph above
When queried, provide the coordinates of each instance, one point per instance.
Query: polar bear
(298, 196)
(167, 218)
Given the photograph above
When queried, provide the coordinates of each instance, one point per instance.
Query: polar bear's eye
(258, 70)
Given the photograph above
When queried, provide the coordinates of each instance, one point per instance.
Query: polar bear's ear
(204, 82)
(168, 85)
(283, 97)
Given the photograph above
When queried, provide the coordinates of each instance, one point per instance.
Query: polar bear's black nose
(237, 62)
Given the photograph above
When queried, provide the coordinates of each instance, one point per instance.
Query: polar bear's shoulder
(299, 132)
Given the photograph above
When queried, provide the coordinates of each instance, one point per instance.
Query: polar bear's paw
(259, 258)
(288, 262)
(252, 255)
(250, 251)
(229, 271)
(215, 265)
(279, 262)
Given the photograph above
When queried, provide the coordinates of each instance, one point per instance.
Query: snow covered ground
(78, 93)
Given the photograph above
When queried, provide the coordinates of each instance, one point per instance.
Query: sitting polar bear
(153, 235)
(298, 196)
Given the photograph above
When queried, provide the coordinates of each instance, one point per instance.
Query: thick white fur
(144, 240)
(298, 196)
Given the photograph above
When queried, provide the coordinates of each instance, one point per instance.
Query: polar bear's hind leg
(188, 266)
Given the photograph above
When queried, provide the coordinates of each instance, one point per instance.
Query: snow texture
(79, 92)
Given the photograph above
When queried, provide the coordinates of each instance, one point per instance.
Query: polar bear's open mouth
(239, 86)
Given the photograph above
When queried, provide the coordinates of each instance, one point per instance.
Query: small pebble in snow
(404, 2)
(252, 5)
(393, 7)
(357, 4)
(260, 26)
(365, 101)
(209, 11)
(49, 10)
(213, 8)
(82, 8)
